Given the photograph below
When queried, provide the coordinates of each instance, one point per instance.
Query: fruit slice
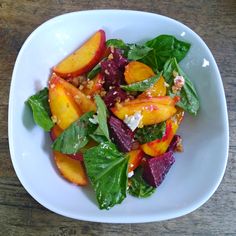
(158, 89)
(135, 158)
(93, 86)
(137, 71)
(71, 169)
(55, 132)
(159, 146)
(153, 110)
(84, 58)
(63, 107)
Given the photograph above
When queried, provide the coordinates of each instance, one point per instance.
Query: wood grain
(214, 21)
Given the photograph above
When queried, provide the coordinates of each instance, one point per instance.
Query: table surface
(214, 21)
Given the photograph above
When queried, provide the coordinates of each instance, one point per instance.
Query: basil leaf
(189, 100)
(137, 52)
(167, 46)
(98, 136)
(117, 43)
(94, 71)
(138, 187)
(76, 136)
(102, 116)
(150, 132)
(41, 111)
(107, 170)
(142, 85)
(151, 60)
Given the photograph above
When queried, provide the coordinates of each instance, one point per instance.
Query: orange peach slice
(137, 71)
(153, 110)
(159, 146)
(135, 158)
(93, 86)
(62, 104)
(70, 169)
(84, 58)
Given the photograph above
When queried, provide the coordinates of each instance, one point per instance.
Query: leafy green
(138, 187)
(142, 85)
(76, 136)
(94, 71)
(166, 47)
(117, 43)
(41, 111)
(150, 132)
(189, 100)
(137, 52)
(98, 136)
(102, 116)
(107, 170)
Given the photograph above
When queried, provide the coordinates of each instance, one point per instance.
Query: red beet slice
(115, 95)
(77, 156)
(175, 141)
(156, 168)
(121, 134)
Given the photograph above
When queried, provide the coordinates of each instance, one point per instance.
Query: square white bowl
(197, 171)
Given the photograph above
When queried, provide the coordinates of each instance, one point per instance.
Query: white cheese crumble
(205, 63)
(178, 83)
(130, 174)
(134, 120)
(183, 34)
(94, 120)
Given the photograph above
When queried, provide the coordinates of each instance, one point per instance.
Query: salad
(112, 110)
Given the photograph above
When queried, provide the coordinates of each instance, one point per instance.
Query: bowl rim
(107, 219)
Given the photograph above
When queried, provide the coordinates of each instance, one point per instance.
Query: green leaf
(76, 136)
(137, 52)
(98, 136)
(142, 85)
(150, 132)
(41, 111)
(107, 170)
(102, 116)
(138, 187)
(94, 71)
(166, 47)
(189, 100)
(117, 43)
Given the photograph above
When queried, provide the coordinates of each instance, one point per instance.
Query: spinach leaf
(41, 111)
(150, 132)
(94, 71)
(76, 136)
(138, 187)
(189, 100)
(102, 116)
(107, 170)
(117, 43)
(167, 46)
(137, 52)
(142, 85)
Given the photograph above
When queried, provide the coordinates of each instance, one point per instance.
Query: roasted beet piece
(120, 134)
(156, 168)
(176, 141)
(113, 69)
(115, 95)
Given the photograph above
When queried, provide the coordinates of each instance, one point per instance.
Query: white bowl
(197, 171)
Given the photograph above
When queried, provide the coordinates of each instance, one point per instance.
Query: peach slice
(84, 58)
(159, 146)
(154, 110)
(137, 71)
(158, 89)
(70, 169)
(135, 158)
(93, 86)
(62, 104)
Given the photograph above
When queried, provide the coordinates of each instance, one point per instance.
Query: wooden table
(214, 21)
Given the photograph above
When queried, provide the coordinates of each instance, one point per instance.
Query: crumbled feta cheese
(130, 174)
(134, 120)
(178, 83)
(205, 63)
(166, 85)
(94, 120)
